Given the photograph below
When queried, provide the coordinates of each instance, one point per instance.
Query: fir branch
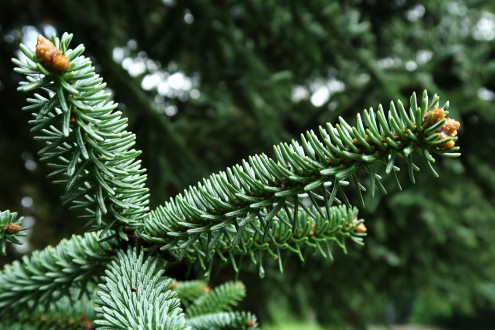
(134, 295)
(221, 299)
(188, 291)
(311, 229)
(66, 313)
(50, 274)
(224, 321)
(233, 206)
(86, 142)
(10, 229)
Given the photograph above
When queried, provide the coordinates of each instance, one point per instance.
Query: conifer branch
(86, 142)
(211, 309)
(208, 308)
(50, 274)
(220, 299)
(188, 291)
(66, 313)
(224, 321)
(294, 201)
(310, 230)
(231, 210)
(134, 295)
(10, 229)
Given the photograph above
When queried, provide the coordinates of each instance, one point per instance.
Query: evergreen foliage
(264, 205)
(134, 295)
(222, 298)
(224, 321)
(256, 69)
(241, 205)
(66, 313)
(54, 272)
(86, 143)
(188, 291)
(210, 196)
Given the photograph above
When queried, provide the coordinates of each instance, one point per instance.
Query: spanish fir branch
(67, 313)
(310, 230)
(244, 206)
(224, 321)
(189, 291)
(208, 308)
(220, 299)
(263, 206)
(86, 142)
(10, 229)
(135, 295)
(50, 274)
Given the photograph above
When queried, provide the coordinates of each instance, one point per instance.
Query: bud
(448, 129)
(12, 228)
(434, 116)
(50, 57)
(360, 229)
(250, 323)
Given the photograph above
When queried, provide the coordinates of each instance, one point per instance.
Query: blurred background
(206, 84)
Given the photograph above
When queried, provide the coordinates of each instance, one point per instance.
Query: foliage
(246, 60)
(134, 295)
(86, 143)
(52, 273)
(93, 158)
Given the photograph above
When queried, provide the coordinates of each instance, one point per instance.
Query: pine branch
(50, 274)
(10, 229)
(220, 299)
(134, 295)
(224, 321)
(86, 142)
(227, 211)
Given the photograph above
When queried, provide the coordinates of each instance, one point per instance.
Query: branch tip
(447, 130)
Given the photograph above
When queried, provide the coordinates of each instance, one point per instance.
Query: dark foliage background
(208, 83)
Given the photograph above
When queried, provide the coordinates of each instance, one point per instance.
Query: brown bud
(12, 228)
(435, 116)
(448, 129)
(360, 229)
(50, 57)
(206, 289)
(250, 323)
(447, 145)
(174, 285)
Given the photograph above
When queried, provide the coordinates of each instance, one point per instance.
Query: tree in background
(190, 74)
